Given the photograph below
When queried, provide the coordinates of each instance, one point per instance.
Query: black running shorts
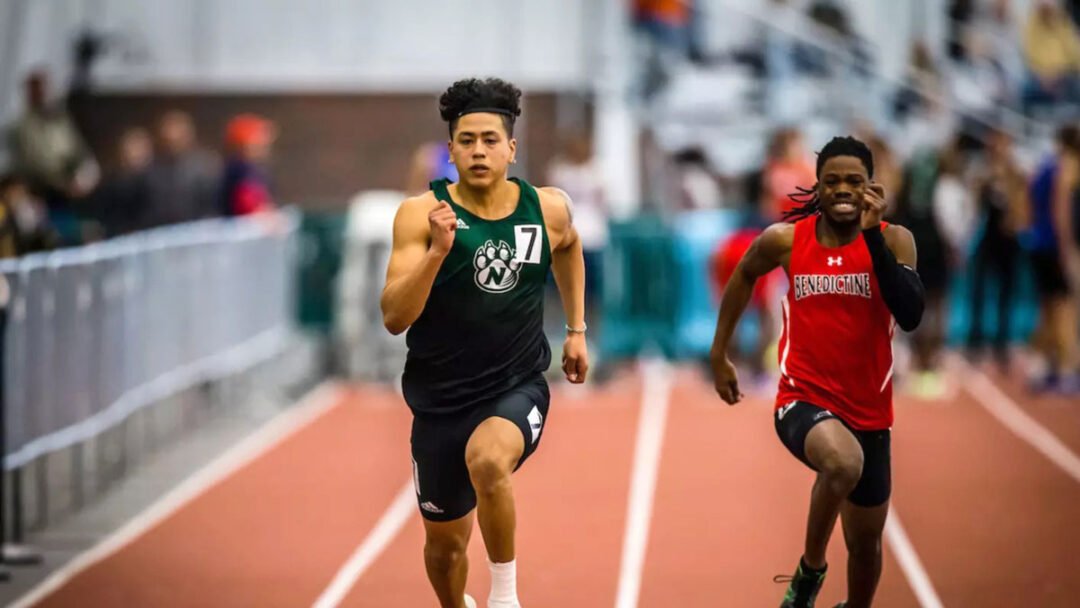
(443, 488)
(793, 424)
(1049, 274)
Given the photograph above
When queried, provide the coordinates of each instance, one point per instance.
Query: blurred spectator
(954, 218)
(121, 203)
(9, 232)
(954, 207)
(787, 168)
(182, 181)
(1072, 7)
(778, 55)
(697, 185)
(430, 162)
(887, 169)
(961, 14)
(245, 185)
(833, 17)
(666, 32)
(977, 83)
(915, 209)
(1052, 53)
(48, 152)
(1052, 192)
(1001, 34)
(922, 80)
(665, 21)
(576, 172)
(1000, 190)
(25, 223)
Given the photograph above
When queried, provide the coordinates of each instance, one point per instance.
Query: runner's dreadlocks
(808, 197)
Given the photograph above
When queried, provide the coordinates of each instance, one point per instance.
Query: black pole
(5, 298)
(17, 525)
(10, 553)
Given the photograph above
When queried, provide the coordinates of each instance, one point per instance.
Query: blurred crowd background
(679, 127)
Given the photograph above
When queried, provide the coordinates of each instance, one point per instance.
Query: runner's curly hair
(474, 95)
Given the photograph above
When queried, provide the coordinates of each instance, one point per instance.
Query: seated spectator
(1002, 34)
(833, 18)
(978, 83)
(922, 80)
(961, 13)
(665, 31)
(182, 181)
(1052, 54)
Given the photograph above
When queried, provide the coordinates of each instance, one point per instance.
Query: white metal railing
(97, 332)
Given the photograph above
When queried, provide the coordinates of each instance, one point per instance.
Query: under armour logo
(837, 261)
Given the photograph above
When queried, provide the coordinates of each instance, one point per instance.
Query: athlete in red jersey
(851, 279)
(836, 344)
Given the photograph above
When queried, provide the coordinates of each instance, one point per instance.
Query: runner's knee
(489, 471)
(841, 472)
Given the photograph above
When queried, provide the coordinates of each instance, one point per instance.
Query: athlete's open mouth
(480, 169)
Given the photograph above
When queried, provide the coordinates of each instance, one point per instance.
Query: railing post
(9, 552)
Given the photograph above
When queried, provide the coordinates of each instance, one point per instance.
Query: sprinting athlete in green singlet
(466, 278)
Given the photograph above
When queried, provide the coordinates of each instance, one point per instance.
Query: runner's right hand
(726, 381)
(443, 224)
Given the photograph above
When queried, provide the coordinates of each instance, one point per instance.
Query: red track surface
(992, 519)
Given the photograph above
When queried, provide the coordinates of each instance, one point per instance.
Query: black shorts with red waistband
(794, 422)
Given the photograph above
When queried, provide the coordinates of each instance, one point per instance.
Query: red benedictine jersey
(836, 347)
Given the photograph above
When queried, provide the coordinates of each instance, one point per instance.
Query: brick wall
(330, 145)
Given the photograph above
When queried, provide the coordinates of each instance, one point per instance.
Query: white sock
(503, 583)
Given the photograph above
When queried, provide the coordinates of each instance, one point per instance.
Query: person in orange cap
(245, 185)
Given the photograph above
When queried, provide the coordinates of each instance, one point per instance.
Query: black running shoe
(803, 588)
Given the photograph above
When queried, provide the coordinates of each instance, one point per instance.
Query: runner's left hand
(873, 205)
(575, 358)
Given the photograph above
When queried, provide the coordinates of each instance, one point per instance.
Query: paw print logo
(496, 268)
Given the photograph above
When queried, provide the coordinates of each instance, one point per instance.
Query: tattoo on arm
(569, 203)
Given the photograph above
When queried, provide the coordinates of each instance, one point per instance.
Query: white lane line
(388, 526)
(318, 402)
(656, 395)
(909, 561)
(1002, 407)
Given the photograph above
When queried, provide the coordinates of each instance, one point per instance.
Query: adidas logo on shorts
(536, 423)
(430, 507)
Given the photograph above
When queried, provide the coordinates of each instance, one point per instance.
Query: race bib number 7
(527, 243)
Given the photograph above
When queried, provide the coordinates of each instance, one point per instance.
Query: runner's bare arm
(769, 250)
(423, 234)
(568, 266)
